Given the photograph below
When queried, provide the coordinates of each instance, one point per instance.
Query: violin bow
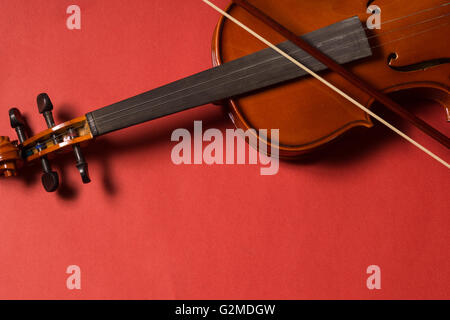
(350, 77)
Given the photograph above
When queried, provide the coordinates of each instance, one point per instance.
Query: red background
(146, 228)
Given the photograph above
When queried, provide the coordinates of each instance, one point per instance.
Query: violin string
(287, 63)
(347, 44)
(272, 59)
(238, 79)
(308, 58)
(402, 17)
(417, 12)
(409, 36)
(405, 27)
(392, 128)
(328, 84)
(60, 135)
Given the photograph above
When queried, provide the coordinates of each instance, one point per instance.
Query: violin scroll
(9, 155)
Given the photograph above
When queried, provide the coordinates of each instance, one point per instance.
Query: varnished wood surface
(308, 114)
(62, 131)
(9, 154)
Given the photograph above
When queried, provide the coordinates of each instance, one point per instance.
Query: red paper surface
(146, 228)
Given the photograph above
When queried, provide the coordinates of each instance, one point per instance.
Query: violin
(319, 78)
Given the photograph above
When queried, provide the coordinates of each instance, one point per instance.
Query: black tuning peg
(45, 108)
(18, 124)
(50, 178)
(82, 165)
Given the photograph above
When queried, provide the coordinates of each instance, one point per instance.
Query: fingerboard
(344, 42)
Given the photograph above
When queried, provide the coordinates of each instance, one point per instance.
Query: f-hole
(420, 66)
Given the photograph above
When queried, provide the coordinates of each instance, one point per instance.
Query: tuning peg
(50, 178)
(45, 108)
(18, 124)
(81, 164)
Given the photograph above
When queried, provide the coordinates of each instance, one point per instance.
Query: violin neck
(250, 73)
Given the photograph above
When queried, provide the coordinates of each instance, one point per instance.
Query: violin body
(410, 53)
